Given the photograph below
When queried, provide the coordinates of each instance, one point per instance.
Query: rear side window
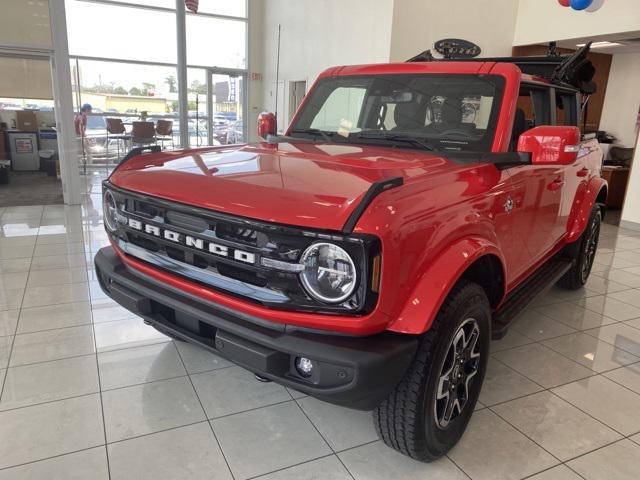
(566, 108)
(533, 109)
(535, 102)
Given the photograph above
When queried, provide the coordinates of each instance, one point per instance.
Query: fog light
(304, 366)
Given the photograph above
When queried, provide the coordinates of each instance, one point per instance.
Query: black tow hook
(262, 379)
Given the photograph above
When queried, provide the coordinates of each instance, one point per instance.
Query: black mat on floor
(30, 188)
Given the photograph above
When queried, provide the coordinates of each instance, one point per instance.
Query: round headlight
(109, 211)
(329, 274)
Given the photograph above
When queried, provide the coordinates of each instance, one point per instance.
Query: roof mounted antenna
(277, 75)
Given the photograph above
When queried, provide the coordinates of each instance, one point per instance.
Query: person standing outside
(80, 123)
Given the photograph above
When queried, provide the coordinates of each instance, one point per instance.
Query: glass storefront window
(127, 33)
(215, 42)
(115, 87)
(152, 3)
(232, 8)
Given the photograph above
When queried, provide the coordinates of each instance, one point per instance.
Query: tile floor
(90, 392)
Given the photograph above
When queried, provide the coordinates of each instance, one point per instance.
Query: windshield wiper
(326, 136)
(394, 137)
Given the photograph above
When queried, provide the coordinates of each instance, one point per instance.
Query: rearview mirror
(548, 145)
(267, 125)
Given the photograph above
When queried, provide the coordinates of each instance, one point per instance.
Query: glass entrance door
(226, 108)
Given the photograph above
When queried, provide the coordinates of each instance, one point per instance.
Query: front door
(226, 108)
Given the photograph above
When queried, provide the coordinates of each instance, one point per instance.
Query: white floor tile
(8, 322)
(327, 468)
(44, 382)
(605, 400)
(620, 461)
(51, 317)
(126, 334)
(591, 352)
(502, 383)
(83, 465)
(121, 368)
(233, 390)
(556, 425)
(538, 327)
(543, 365)
(620, 336)
(376, 461)
(628, 376)
(491, 449)
(341, 427)
(291, 440)
(50, 429)
(182, 453)
(152, 407)
(55, 295)
(561, 472)
(575, 316)
(197, 359)
(59, 276)
(52, 345)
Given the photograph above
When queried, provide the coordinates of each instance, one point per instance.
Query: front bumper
(357, 372)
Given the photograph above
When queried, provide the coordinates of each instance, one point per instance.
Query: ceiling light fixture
(602, 44)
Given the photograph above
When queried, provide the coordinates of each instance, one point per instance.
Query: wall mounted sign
(457, 48)
(24, 145)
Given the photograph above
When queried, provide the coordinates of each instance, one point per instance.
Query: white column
(63, 99)
(183, 99)
(631, 208)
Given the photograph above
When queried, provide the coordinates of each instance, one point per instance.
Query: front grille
(225, 252)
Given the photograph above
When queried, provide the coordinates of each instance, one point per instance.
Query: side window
(533, 109)
(566, 108)
(341, 110)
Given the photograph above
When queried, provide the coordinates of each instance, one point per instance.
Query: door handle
(583, 172)
(555, 185)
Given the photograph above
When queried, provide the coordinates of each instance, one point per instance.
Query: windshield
(424, 111)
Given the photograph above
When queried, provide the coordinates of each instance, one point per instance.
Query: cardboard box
(26, 121)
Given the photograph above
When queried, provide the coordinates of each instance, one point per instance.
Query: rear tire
(583, 252)
(417, 418)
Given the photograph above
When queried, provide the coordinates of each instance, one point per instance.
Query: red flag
(191, 5)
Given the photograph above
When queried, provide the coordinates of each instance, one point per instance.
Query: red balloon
(564, 3)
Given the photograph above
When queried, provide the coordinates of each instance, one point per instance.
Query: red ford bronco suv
(367, 256)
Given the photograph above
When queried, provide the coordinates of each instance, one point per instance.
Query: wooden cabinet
(617, 178)
(3, 146)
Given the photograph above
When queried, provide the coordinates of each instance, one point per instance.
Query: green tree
(197, 87)
(135, 91)
(120, 91)
(171, 81)
(147, 88)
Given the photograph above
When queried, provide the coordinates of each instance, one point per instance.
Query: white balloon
(595, 6)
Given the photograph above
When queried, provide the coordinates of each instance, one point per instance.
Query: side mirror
(267, 125)
(557, 145)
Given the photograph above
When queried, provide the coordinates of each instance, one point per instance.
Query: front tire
(428, 411)
(583, 252)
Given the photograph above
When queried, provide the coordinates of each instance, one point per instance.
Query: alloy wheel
(460, 366)
(590, 248)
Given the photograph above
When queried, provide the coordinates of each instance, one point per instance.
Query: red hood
(303, 184)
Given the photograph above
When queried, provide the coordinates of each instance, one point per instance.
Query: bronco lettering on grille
(193, 242)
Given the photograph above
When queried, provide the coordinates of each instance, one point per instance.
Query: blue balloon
(581, 4)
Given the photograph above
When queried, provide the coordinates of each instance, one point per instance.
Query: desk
(617, 178)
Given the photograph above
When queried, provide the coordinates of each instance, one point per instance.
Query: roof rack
(575, 70)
